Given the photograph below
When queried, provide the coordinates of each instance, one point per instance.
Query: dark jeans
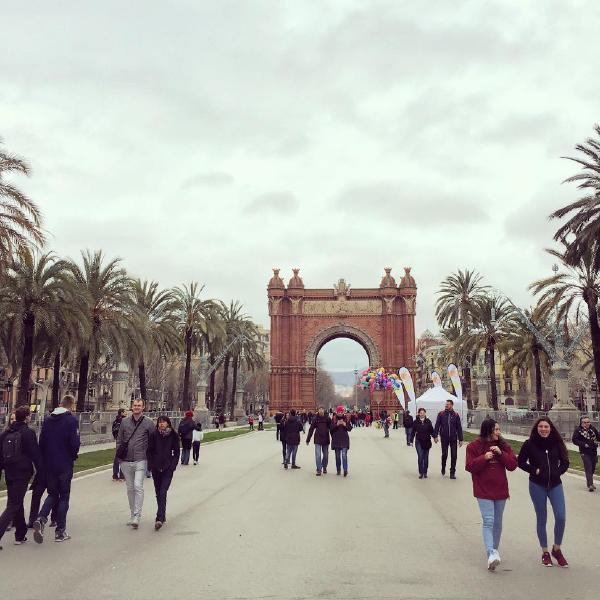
(422, 458)
(162, 482)
(14, 512)
(540, 496)
(395, 424)
(453, 444)
(408, 431)
(116, 468)
(261, 426)
(185, 456)
(283, 449)
(589, 464)
(341, 459)
(195, 451)
(59, 492)
(290, 453)
(38, 489)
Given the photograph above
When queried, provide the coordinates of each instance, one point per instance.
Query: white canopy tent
(434, 400)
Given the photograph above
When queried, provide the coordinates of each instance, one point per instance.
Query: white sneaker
(130, 522)
(135, 522)
(494, 560)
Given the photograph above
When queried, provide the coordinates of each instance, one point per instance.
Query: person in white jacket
(197, 437)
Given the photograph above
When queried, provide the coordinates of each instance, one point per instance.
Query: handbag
(123, 447)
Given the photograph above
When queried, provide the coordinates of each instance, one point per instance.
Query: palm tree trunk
(492, 358)
(211, 383)
(234, 376)
(142, 378)
(538, 377)
(56, 380)
(185, 401)
(26, 359)
(467, 379)
(594, 334)
(84, 362)
(225, 378)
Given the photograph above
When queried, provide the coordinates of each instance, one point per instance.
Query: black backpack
(11, 447)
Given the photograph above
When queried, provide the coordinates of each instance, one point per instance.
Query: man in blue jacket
(59, 444)
(449, 428)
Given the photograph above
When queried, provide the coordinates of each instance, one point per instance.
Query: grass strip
(575, 461)
(100, 458)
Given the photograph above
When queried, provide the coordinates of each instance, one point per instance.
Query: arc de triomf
(381, 320)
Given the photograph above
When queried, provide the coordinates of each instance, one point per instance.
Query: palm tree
(566, 291)
(492, 320)
(459, 294)
(584, 224)
(111, 318)
(197, 319)
(20, 218)
(157, 327)
(34, 293)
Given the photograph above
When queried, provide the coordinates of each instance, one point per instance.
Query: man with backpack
(19, 454)
(59, 445)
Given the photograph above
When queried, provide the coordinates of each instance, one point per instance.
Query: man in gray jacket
(135, 432)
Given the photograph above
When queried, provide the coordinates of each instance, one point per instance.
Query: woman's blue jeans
(422, 458)
(491, 516)
(341, 459)
(540, 496)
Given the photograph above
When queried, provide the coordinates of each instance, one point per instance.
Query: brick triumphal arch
(381, 320)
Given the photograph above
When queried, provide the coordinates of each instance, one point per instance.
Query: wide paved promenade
(239, 526)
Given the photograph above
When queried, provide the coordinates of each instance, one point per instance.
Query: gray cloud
(277, 203)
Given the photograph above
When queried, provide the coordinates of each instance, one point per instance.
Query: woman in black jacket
(587, 438)
(340, 441)
(163, 456)
(544, 456)
(421, 434)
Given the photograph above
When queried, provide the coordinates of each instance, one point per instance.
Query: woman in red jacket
(488, 458)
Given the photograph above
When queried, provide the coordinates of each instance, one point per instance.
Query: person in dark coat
(186, 433)
(163, 456)
(587, 438)
(291, 432)
(282, 422)
(320, 426)
(19, 454)
(448, 427)
(421, 434)
(407, 422)
(544, 456)
(278, 420)
(116, 425)
(340, 441)
(59, 446)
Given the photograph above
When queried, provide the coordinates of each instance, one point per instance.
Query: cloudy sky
(212, 141)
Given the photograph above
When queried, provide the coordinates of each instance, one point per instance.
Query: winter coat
(185, 430)
(22, 469)
(291, 431)
(320, 426)
(163, 451)
(542, 454)
(59, 441)
(422, 431)
(489, 476)
(116, 425)
(407, 420)
(138, 441)
(587, 440)
(339, 433)
(448, 426)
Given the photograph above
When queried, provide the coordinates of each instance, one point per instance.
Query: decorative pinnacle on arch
(276, 281)
(296, 281)
(388, 281)
(408, 280)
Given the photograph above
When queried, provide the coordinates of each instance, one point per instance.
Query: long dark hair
(554, 437)
(487, 429)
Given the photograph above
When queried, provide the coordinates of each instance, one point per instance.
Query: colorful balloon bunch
(378, 379)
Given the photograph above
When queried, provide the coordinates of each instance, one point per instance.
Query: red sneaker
(560, 559)
(546, 560)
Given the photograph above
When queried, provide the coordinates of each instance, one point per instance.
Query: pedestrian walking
(38, 486)
(421, 434)
(261, 422)
(221, 421)
(185, 430)
(340, 441)
(368, 419)
(132, 448)
(278, 419)
(544, 456)
(386, 422)
(250, 423)
(396, 419)
(19, 454)
(488, 459)
(587, 438)
(116, 425)
(292, 429)
(163, 456)
(59, 446)
(407, 421)
(282, 423)
(320, 426)
(448, 427)
(197, 437)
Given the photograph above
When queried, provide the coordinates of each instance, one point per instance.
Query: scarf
(588, 434)
(165, 432)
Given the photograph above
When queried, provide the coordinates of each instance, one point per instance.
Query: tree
(35, 291)
(20, 218)
(584, 221)
(110, 314)
(578, 285)
(324, 387)
(459, 295)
